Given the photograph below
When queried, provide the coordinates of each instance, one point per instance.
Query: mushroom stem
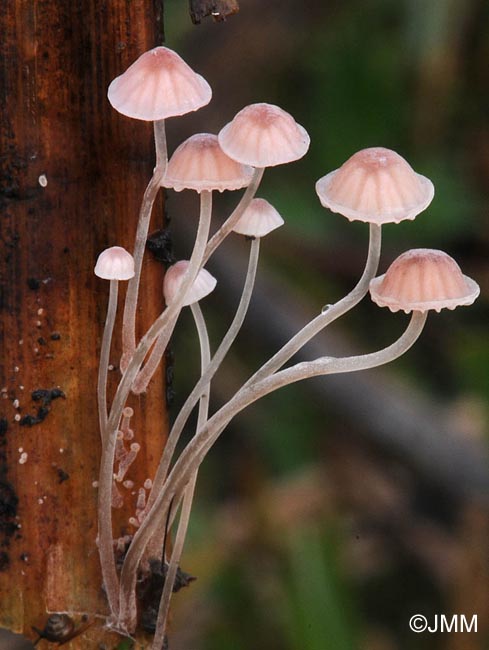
(160, 144)
(104, 357)
(165, 322)
(148, 370)
(196, 450)
(189, 489)
(202, 385)
(150, 194)
(330, 315)
(231, 221)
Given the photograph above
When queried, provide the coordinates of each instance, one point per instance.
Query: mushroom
(202, 286)
(261, 135)
(200, 164)
(375, 185)
(114, 264)
(258, 220)
(423, 279)
(158, 85)
(264, 135)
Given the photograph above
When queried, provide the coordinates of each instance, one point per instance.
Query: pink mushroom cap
(422, 279)
(159, 84)
(375, 185)
(203, 285)
(259, 219)
(200, 164)
(115, 263)
(264, 135)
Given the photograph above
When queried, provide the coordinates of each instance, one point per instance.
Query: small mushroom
(423, 279)
(114, 264)
(259, 219)
(203, 285)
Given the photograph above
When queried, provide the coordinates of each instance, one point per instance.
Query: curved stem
(189, 489)
(193, 455)
(331, 314)
(164, 323)
(130, 305)
(105, 357)
(231, 221)
(206, 377)
(144, 376)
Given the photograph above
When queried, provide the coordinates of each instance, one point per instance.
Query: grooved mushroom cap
(375, 185)
(423, 279)
(264, 135)
(204, 284)
(200, 164)
(259, 218)
(158, 85)
(115, 263)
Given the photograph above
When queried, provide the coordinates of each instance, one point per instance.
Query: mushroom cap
(264, 135)
(115, 263)
(259, 218)
(422, 279)
(375, 185)
(200, 164)
(159, 84)
(203, 285)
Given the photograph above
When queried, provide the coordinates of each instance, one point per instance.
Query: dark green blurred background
(310, 532)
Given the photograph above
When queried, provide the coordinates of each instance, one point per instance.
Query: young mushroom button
(203, 285)
(259, 219)
(423, 279)
(377, 186)
(114, 263)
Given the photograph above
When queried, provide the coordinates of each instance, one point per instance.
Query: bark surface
(73, 172)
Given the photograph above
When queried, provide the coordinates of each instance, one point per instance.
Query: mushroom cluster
(376, 186)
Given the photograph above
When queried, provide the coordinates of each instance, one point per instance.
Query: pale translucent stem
(231, 221)
(207, 376)
(148, 370)
(141, 382)
(183, 522)
(193, 455)
(332, 313)
(105, 357)
(160, 144)
(164, 322)
(150, 194)
(188, 495)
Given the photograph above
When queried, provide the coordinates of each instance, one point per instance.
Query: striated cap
(264, 135)
(259, 218)
(115, 263)
(200, 164)
(158, 85)
(375, 185)
(204, 284)
(423, 279)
